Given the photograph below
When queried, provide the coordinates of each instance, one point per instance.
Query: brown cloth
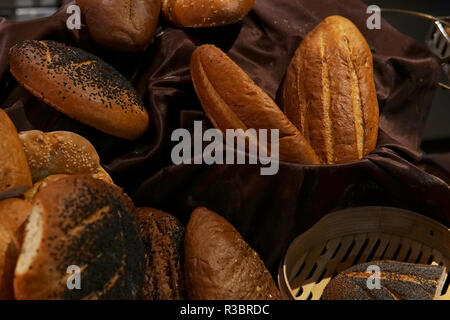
(269, 211)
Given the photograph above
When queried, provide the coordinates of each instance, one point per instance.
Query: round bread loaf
(121, 25)
(205, 13)
(80, 228)
(61, 152)
(220, 265)
(15, 175)
(162, 235)
(79, 85)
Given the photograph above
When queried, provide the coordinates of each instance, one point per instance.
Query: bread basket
(353, 236)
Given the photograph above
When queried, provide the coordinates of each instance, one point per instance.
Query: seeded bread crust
(79, 85)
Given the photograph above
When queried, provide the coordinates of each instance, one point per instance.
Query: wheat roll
(329, 92)
(231, 100)
(79, 85)
(82, 222)
(15, 176)
(60, 152)
(121, 25)
(205, 13)
(220, 265)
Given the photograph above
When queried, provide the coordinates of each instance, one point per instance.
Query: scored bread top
(231, 100)
(329, 92)
(79, 85)
(85, 222)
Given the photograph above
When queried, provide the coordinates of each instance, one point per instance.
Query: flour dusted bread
(125, 25)
(220, 265)
(398, 281)
(231, 100)
(61, 152)
(205, 13)
(79, 85)
(329, 92)
(84, 222)
(15, 176)
(162, 235)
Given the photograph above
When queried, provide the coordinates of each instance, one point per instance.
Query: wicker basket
(353, 236)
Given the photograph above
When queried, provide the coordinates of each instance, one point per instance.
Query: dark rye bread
(398, 281)
(162, 235)
(79, 85)
(329, 92)
(86, 222)
(220, 265)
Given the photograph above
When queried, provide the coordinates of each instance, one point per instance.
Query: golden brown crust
(205, 13)
(85, 222)
(162, 235)
(15, 177)
(79, 85)
(13, 214)
(126, 25)
(9, 250)
(329, 92)
(220, 265)
(31, 193)
(60, 152)
(231, 100)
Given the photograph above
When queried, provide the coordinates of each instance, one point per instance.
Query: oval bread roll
(80, 224)
(329, 92)
(220, 265)
(121, 25)
(205, 13)
(79, 85)
(15, 176)
(231, 100)
(61, 152)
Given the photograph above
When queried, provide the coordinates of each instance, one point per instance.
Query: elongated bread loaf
(79, 85)
(329, 92)
(61, 152)
(220, 265)
(15, 176)
(205, 13)
(80, 227)
(231, 100)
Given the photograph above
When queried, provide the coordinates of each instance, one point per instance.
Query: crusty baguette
(126, 25)
(79, 85)
(220, 265)
(205, 13)
(61, 152)
(397, 281)
(162, 235)
(84, 222)
(329, 92)
(15, 176)
(231, 100)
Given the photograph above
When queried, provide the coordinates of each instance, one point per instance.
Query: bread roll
(9, 250)
(121, 25)
(13, 214)
(205, 13)
(31, 193)
(231, 100)
(15, 177)
(84, 222)
(329, 92)
(162, 235)
(61, 152)
(398, 281)
(79, 85)
(220, 265)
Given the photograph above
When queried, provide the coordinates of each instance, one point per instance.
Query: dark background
(437, 132)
